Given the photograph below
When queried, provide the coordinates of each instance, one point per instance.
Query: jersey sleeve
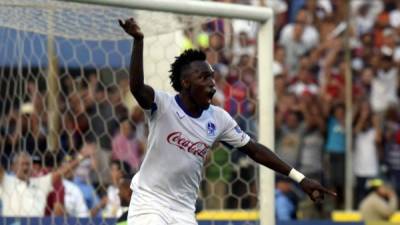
(232, 134)
(160, 103)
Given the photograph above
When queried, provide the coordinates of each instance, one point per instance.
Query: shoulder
(162, 95)
(46, 177)
(287, 30)
(162, 100)
(42, 180)
(217, 111)
(9, 180)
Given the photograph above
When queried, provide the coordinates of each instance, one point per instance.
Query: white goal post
(262, 15)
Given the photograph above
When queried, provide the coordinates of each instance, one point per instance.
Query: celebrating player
(182, 129)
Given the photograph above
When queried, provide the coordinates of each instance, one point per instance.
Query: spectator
(71, 139)
(75, 205)
(303, 84)
(243, 46)
(23, 195)
(297, 38)
(289, 136)
(394, 16)
(284, 206)
(312, 144)
(126, 147)
(119, 169)
(55, 199)
(392, 146)
(335, 148)
(280, 87)
(124, 192)
(366, 156)
(92, 200)
(385, 84)
(380, 204)
(104, 124)
(138, 119)
(33, 134)
(363, 21)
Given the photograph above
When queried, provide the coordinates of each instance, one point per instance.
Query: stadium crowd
(310, 65)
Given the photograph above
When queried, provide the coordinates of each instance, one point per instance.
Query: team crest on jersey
(211, 129)
(238, 130)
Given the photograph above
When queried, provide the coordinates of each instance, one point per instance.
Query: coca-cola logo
(196, 148)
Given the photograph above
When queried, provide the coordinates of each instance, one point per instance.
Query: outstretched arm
(86, 151)
(143, 93)
(266, 157)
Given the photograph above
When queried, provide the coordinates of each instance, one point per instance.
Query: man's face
(199, 83)
(115, 173)
(292, 120)
(23, 167)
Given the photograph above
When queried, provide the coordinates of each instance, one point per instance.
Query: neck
(189, 105)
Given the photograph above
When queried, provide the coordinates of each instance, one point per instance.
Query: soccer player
(182, 129)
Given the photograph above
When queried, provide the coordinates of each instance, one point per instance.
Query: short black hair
(182, 61)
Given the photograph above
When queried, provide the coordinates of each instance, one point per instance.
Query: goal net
(64, 86)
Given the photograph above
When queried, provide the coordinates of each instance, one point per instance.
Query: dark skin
(198, 87)
(125, 191)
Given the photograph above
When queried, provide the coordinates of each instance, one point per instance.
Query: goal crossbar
(198, 8)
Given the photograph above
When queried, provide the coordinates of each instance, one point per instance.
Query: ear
(185, 83)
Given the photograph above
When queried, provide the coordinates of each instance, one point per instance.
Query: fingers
(129, 23)
(121, 23)
(329, 192)
(126, 22)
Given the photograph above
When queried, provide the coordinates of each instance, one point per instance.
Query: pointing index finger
(332, 193)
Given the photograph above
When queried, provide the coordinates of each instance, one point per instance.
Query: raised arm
(143, 93)
(86, 151)
(266, 157)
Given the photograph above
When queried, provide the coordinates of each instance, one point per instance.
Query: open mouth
(210, 94)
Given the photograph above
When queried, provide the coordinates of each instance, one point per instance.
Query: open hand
(315, 190)
(132, 28)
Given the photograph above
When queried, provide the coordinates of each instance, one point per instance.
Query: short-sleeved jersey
(177, 146)
(24, 199)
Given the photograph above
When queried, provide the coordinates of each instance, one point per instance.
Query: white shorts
(147, 215)
(161, 217)
(153, 218)
(145, 209)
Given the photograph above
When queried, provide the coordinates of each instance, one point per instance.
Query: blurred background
(336, 98)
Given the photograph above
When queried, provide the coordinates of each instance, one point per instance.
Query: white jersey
(170, 174)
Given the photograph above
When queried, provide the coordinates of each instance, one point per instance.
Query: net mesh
(94, 106)
(84, 21)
